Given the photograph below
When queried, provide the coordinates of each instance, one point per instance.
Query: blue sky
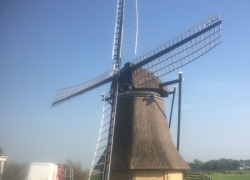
(47, 45)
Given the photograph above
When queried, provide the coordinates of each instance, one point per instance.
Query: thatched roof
(142, 139)
(2, 153)
(140, 75)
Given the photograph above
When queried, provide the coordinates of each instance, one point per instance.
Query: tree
(225, 164)
(220, 164)
(242, 164)
(196, 165)
(236, 164)
(15, 171)
(78, 172)
(247, 163)
(209, 165)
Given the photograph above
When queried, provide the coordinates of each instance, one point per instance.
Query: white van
(42, 171)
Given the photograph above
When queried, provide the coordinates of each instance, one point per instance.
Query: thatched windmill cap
(2, 153)
(137, 79)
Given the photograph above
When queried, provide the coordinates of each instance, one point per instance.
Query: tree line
(220, 164)
(17, 171)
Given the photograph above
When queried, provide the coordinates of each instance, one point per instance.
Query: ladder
(103, 152)
(68, 174)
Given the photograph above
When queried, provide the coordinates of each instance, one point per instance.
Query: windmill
(139, 75)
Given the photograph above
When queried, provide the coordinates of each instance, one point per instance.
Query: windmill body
(137, 142)
(142, 144)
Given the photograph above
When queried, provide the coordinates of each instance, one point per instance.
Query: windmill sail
(126, 29)
(125, 43)
(179, 51)
(166, 58)
(63, 95)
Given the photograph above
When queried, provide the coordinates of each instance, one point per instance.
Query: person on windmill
(115, 70)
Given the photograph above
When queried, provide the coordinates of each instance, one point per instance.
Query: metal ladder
(68, 174)
(103, 152)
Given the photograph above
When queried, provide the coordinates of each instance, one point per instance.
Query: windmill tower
(134, 140)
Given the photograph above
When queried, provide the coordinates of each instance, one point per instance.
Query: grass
(226, 175)
(230, 177)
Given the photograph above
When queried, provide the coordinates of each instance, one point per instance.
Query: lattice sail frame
(166, 58)
(130, 28)
(63, 95)
(129, 34)
(182, 54)
(129, 38)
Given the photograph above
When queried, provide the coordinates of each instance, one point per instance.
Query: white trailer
(47, 171)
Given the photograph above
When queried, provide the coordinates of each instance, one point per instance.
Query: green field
(230, 176)
(226, 175)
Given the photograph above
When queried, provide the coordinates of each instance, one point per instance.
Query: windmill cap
(153, 85)
(2, 153)
(131, 80)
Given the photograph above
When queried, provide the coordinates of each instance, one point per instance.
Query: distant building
(3, 157)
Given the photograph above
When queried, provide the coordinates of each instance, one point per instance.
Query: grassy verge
(230, 177)
(226, 175)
